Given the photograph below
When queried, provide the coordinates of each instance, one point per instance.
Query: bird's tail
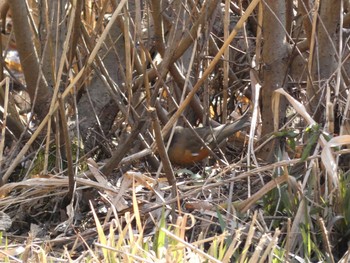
(231, 128)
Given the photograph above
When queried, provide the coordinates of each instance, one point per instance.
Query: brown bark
(4, 8)
(325, 62)
(39, 92)
(274, 57)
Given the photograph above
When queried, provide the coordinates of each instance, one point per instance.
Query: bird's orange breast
(182, 156)
(186, 148)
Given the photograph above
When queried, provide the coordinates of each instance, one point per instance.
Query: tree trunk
(325, 61)
(39, 92)
(274, 57)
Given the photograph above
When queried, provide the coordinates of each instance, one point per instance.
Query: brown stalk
(68, 151)
(169, 172)
(122, 149)
(206, 73)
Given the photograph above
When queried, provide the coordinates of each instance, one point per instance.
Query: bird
(187, 149)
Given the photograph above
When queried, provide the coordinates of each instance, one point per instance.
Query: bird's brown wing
(191, 141)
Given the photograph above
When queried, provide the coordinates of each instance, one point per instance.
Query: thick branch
(38, 91)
